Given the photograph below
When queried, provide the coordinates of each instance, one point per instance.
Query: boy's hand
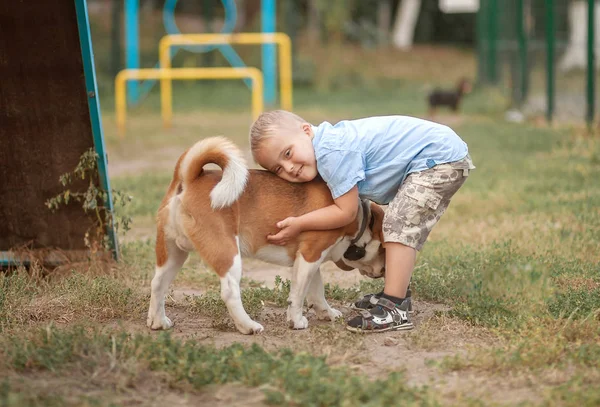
(290, 228)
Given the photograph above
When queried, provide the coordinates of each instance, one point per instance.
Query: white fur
(231, 295)
(372, 264)
(316, 299)
(275, 255)
(302, 275)
(231, 186)
(235, 173)
(163, 276)
(173, 229)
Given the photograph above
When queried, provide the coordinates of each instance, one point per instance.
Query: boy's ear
(307, 128)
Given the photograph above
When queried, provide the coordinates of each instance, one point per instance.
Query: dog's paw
(330, 314)
(301, 323)
(254, 329)
(159, 323)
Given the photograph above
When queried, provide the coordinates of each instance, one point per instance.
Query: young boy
(413, 165)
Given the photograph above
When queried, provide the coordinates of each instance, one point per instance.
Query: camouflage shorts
(422, 200)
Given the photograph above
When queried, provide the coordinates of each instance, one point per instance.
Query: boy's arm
(341, 213)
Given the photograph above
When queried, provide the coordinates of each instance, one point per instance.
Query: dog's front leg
(231, 296)
(302, 274)
(316, 299)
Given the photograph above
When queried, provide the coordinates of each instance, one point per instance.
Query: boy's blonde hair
(273, 123)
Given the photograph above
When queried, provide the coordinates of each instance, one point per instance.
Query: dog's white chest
(274, 254)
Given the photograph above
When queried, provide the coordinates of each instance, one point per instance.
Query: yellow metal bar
(285, 61)
(185, 73)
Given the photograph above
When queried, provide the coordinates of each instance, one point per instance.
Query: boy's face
(291, 157)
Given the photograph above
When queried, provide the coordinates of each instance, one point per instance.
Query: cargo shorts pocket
(426, 201)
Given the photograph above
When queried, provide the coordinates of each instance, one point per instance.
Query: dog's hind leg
(302, 275)
(316, 299)
(170, 258)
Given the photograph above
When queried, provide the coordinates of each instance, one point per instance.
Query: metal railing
(169, 74)
(285, 61)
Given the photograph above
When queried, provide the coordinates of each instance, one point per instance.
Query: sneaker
(385, 316)
(368, 301)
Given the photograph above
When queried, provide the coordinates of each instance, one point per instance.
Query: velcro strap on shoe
(386, 304)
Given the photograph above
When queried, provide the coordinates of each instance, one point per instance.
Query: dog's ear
(343, 265)
(378, 213)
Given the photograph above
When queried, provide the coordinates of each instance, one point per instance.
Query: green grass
(286, 377)
(515, 260)
(26, 299)
(517, 252)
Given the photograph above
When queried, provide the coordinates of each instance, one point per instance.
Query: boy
(413, 165)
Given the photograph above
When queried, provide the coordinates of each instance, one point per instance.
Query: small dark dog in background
(450, 98)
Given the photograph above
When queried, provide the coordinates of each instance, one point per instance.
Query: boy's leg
(367, 301)
(391, 310)
(399, 264)
(419, 204)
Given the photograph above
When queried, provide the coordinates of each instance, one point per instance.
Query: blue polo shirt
(377, 153)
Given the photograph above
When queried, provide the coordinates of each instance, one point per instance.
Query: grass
(515, 256)
(514, 263)
(28, 299)
(285, 377)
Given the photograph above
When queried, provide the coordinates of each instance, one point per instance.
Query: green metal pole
(493, 40)
(523, 64)
(550, 59)
(482, 43)
(591, 62)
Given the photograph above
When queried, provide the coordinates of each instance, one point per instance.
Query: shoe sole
(352, 307)
(355, 308)
(405, 327)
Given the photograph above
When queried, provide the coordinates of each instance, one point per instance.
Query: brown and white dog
(227, 214)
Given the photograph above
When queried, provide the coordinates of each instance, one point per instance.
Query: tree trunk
(575, 56)
(406, 21)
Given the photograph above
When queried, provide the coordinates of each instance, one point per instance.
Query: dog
(227, 214)
(449, 98)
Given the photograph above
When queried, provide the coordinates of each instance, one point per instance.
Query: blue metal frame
(226, 50)
(268, 20)
(87, 56)
(269, 61)
(8, 259)
(132, 47)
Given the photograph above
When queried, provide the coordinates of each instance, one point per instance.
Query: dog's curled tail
(224, 153)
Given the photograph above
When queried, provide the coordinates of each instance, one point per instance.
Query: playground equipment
(268, 23)
(285, 62)
(185, 73)
(50, 116)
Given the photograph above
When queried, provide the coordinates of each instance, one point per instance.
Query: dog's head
(366, 252)
(464, 86)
